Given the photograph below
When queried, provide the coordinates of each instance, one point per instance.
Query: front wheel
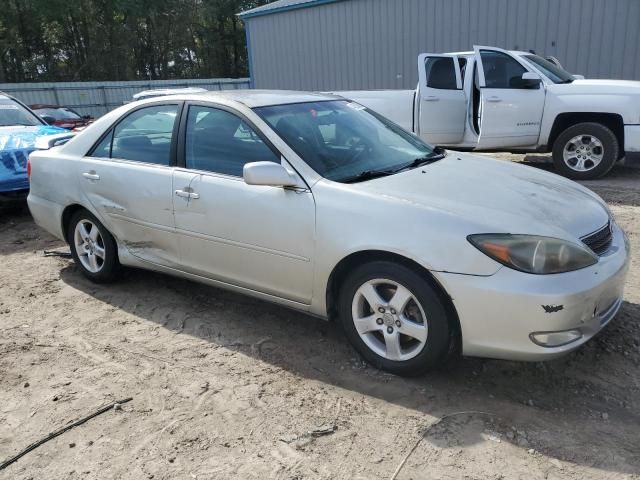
(394, 317)
(93, 248)
(585, 151)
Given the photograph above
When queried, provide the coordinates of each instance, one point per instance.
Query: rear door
(510, 113)
(127, 178)
(442, 101)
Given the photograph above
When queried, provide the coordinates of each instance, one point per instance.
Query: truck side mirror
(530, 80)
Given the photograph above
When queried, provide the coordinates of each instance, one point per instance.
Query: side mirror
(50, 120)
(268, 173)
(86, 117)
(530, 80)
(578, 77)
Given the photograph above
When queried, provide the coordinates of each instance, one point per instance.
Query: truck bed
(396, 105)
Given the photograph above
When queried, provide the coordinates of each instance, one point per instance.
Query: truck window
(501, 70)
(441, 73)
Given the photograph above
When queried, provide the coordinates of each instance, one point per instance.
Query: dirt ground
(226, 387)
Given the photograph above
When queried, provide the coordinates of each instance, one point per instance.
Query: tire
(600, 151)
(421, 327)
(90, 243)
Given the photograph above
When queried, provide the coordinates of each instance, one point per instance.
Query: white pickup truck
(497, 100)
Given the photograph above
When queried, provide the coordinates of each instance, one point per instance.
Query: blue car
(21, 132)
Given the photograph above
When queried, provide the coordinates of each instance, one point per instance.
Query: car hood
(16, 143)
(495, 196)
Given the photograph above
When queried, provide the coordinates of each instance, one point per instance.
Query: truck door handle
(494, 99)
(431, 98)
(91, 175)
(184, 194)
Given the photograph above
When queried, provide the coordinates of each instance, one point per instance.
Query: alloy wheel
(583, 153)
(389, 319)
(89, 245)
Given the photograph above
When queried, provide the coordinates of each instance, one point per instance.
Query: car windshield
(12, 114)
(344, 141)
(58, 113)
(553, 72)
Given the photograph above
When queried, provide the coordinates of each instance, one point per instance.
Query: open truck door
(443, 103)
(511, 100)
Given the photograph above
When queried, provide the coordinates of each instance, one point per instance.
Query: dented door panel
(135, 200)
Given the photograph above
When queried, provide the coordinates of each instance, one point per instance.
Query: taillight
(29, 168)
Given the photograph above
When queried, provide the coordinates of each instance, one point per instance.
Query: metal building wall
(97, 98)
(374, 44)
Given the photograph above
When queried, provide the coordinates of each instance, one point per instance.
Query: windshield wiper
(367, 175)
(438, 154)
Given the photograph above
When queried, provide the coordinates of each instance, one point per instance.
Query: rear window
(58, 113)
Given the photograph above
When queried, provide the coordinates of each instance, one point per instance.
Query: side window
(103, 149)
(441, 73)
(145, 135)
(221, 142)
(501, 70)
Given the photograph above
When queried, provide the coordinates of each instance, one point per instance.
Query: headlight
(533, 254)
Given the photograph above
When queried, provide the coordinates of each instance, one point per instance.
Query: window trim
(112, 128)
(182, 136)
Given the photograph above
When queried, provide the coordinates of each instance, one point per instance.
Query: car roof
(264, 98)
(168, 91)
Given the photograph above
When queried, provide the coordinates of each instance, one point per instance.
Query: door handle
(184, 194)
(91, 175)
(494, 99)
(432, 98)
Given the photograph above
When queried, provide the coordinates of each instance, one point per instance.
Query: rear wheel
(585, 151)
(93, 248)
(394, 318)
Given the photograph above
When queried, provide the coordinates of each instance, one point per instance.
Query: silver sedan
(319, 204)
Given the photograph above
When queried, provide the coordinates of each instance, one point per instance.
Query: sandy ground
(226, 387)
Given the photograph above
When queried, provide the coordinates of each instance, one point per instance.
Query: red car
(61, 116)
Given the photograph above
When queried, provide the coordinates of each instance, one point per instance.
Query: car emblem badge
(552, 308)
(388, 319)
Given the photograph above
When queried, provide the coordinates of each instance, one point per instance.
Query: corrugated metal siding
(371, 44)
(97, 98)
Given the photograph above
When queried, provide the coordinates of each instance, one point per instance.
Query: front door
(127, 178)
(443, 103)
(256, 237)
(510, 113)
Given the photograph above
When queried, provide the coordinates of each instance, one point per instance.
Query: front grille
(600, 240)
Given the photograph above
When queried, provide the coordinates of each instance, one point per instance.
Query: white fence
(97, 98)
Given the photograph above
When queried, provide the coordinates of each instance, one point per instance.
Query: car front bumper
(500, 314)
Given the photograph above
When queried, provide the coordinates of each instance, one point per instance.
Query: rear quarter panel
(54, 186)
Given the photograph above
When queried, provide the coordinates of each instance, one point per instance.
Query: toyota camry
(322, 205)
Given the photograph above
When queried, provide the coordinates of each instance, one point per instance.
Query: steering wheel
(366, 149)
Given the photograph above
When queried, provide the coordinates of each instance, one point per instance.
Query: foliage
(63, 40)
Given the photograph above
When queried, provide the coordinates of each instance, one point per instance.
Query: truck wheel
(585, 151)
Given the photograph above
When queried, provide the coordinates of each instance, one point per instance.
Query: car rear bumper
(46, 214)
(504, 315)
